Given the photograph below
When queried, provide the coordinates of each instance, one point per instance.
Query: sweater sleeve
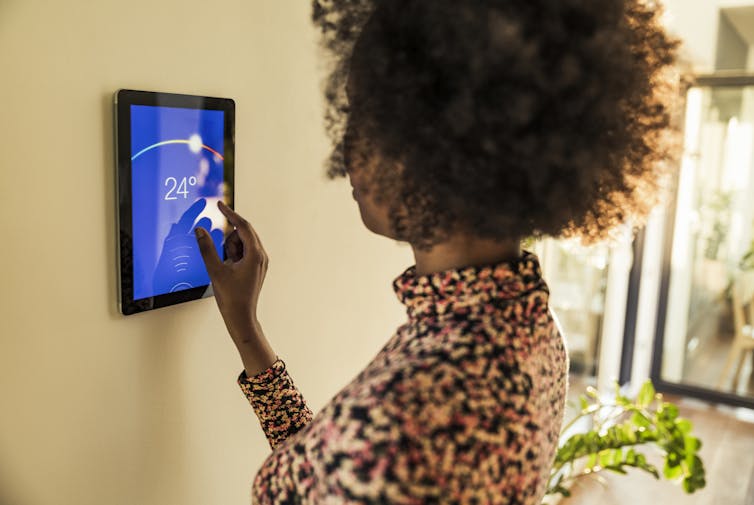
(279, 405)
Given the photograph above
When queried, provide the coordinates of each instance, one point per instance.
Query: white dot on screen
(195, 143)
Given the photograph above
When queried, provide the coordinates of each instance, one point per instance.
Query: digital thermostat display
(176, 180)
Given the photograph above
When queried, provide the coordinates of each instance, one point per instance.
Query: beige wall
(696, 22)
(100, 409)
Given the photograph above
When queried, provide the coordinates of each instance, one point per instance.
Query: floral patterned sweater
(463, 405)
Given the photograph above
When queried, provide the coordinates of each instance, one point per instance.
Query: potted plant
(621, 429)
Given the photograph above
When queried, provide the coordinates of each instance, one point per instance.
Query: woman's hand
(237, 283)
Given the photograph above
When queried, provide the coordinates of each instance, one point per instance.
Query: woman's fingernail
(199, 232)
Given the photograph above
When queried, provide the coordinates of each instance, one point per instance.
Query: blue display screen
(177, 177)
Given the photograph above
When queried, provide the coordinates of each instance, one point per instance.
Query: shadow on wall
(9, 495)
(108, 164)
(161, 428)
(6, 494)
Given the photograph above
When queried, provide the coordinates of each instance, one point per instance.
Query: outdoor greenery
(715, 218)
(620, 428)
(747, 261)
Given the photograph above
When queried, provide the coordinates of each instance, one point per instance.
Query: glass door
(705, 340)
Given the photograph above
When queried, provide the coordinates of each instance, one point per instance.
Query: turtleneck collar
(469, 289)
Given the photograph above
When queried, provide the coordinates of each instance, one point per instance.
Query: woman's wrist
(242, 325)
(255, 363)
(256, 353)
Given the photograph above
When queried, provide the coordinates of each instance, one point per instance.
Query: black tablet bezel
(123, 99)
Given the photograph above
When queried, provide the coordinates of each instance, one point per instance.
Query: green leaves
(618, 429)
(646, 395)
(583, 402)
(667, 412)
(617, 459)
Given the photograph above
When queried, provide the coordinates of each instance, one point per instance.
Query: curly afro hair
(504, 118)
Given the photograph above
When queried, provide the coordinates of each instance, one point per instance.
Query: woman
(464, 126)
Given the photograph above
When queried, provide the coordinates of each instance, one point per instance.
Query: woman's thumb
(208, 251)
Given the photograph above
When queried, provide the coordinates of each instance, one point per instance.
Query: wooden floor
(704, 366)
(727, 436)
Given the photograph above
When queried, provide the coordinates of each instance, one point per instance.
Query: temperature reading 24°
(178, 187)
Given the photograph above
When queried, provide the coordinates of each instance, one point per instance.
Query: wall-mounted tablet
(174, 157)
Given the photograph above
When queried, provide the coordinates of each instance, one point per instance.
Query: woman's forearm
(236, 282)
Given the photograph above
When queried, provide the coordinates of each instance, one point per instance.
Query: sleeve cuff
(265, 376)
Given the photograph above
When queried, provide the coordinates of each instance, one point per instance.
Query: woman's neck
(463, 250)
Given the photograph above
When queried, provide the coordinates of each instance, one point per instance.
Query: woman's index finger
(244, 228)
(230, 214)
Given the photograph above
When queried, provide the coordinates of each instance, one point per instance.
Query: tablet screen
(177, 177)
